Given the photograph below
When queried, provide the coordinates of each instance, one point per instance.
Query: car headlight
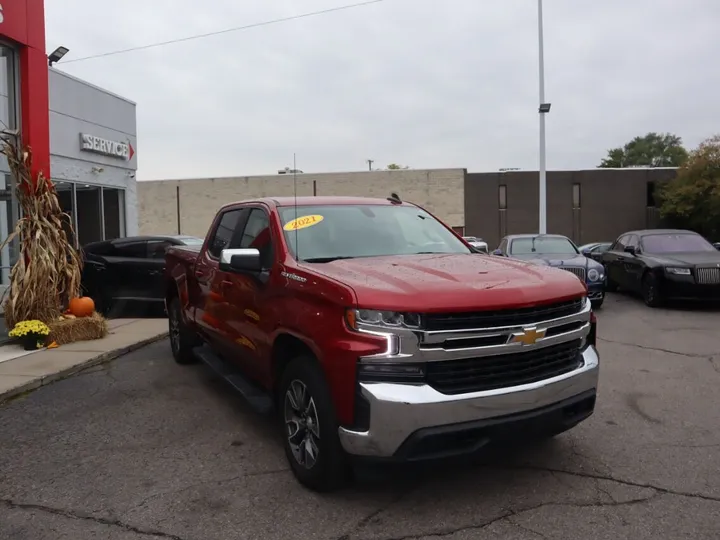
(594, 275)
(678, 271)
(374, 317)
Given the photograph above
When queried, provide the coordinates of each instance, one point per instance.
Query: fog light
(391, 372)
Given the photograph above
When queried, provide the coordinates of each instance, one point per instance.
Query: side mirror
(498, 252)
(630, 250)
(240, 260)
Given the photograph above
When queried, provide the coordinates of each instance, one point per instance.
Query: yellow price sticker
(303, 222)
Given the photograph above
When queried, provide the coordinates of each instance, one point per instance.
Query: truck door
(211, 307)
(250, 299)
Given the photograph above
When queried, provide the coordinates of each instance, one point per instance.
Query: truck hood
(450, 282)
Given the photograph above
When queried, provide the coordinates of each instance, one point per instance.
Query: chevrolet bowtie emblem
(528, 336)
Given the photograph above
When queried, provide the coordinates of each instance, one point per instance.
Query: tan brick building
(188, 206)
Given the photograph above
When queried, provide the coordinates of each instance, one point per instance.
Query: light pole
(543, 110)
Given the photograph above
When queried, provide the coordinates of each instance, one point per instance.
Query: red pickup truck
(374, 331)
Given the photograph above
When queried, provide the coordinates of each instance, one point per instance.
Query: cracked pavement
(144, 449)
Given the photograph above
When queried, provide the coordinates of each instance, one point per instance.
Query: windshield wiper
(324, 259)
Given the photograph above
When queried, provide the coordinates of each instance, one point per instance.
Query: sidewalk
(21, 372)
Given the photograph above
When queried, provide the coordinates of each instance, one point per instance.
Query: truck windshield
(325, 233)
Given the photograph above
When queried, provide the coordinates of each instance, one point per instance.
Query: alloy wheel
(301, 423)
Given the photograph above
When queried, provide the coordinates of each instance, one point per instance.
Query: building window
(650, 194)
(113, 200)
(576, 196)
(502, 197)
(459, 229)
(66, 197)
(89, 214)
(95, 212)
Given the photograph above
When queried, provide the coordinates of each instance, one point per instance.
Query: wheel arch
(285, 348)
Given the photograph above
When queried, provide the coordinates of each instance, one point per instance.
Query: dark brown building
(593, 205)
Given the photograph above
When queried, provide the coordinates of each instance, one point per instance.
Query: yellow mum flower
(23, 328)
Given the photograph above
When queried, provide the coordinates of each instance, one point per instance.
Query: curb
(68, 372)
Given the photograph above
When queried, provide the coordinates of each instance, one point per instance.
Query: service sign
(13, 20)
(106, 147)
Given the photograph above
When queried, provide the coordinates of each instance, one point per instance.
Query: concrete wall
(441, 191)
(612, 201)
(78, 107)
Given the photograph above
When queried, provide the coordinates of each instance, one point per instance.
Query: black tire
(182, 339)
(597, 304)
(329, 469)
(651, 291)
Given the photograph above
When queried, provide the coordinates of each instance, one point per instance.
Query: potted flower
(32, 334)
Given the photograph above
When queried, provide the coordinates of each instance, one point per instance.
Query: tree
(652, 150)
(395, 167)
(692, 199)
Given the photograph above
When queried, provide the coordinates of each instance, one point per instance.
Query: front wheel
(651, 291)
(311, 441)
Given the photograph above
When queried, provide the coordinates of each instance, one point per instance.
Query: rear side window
(224, 232)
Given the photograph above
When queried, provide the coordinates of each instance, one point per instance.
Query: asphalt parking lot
(142, 448)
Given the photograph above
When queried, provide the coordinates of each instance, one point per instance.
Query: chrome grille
(577, 270)
(707, 276)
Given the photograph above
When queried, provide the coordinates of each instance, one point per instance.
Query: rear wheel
(182, 339)
(311, 441)
(651, 291)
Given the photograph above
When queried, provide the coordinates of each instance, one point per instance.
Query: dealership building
(82, 137)
(92, 153)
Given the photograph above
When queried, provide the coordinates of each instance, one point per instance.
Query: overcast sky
(423, 83)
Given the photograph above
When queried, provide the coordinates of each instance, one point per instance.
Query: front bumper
(404, 417)
(596, 290)
(685, 288)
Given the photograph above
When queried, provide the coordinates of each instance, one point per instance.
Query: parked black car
(595, 250)
(664, 264)
(560, 252)
(129, 269)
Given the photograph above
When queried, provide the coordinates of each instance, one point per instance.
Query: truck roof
(318, 201)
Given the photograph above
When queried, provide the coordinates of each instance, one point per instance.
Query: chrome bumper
(399, 410)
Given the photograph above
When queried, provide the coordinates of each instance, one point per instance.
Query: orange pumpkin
(82, 307)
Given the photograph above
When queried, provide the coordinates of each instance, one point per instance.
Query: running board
(256, 397)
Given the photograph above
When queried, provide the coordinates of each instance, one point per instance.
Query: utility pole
(370, 162)
(543, 110)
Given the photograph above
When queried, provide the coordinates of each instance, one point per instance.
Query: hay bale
(67, 331)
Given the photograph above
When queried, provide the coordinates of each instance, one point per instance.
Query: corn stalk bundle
(48, 270)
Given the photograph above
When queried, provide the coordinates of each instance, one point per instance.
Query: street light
(543, 110)
(57, 55)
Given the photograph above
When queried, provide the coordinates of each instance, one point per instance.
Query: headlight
(594, 275)
(678, 271)
(392, 319)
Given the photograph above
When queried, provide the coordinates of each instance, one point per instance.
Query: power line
(226, 31)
